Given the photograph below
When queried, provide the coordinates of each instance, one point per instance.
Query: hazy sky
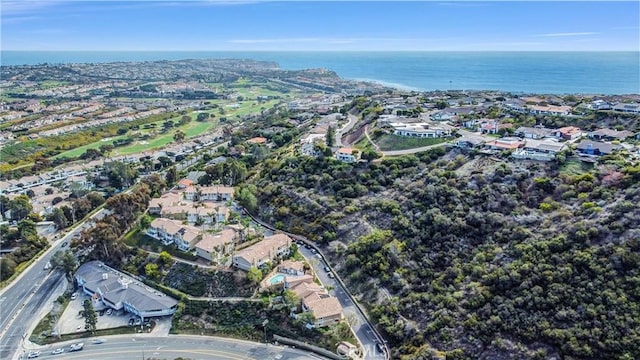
(327, 25)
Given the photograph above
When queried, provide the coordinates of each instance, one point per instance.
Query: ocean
(518, 72)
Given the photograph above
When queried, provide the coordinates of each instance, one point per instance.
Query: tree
(65, 261)
(155, 183)
(152, 271)
(441, 104)
(95, 199)
(330, 137)
(7, 267)
(203, 116)
(58, 218)
(166, 259)
(121, 174)
(172, 176)
(247, 198)
(290, 298)
(145, 221)
(179, 135)
(185, 120)
(20, 207)
(89, 314)
(254, 275)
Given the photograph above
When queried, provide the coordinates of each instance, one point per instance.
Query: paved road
(345, 129)
(121, 347)
(27, 293)
(358, 323)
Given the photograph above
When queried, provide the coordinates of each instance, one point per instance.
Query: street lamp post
(264, 326)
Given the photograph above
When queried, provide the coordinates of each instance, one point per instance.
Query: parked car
(131, 321)
(331, 276)
(109, 311)
(138, 321)
(326, 268)
(57, 351)
(65, 243)
(74, 296)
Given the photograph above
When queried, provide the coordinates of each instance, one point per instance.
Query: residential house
(347, 155)
(326, 309)
(174, 232)
(164, 201)
(291, 267)
(191, 193)
(421, 130)
(610, 134)
(508, 143)
(304, 289)
(631, 108)
(214, 247)
(533, 132)
(494, 127)
(443, 116)
(184, 183)
(596, 148)
(309, 145)
(262, 252)
(549, 110)
(568, 133)
(118, 291)
(541, 150)
(468, 141)
(215, 193)
(599, 105)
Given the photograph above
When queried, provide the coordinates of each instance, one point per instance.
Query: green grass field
(81, 149)
(575, 167)
(390, 142)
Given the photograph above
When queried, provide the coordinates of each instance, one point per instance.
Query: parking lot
(71, 321)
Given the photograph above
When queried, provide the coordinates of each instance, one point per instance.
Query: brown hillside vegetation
(475, 257)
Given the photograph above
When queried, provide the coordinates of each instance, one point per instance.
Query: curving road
(28, 292)
(124, 347)
(367, 336)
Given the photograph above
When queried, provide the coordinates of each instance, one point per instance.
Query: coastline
(603, 73)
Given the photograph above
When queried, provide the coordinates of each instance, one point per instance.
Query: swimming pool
(276, 279)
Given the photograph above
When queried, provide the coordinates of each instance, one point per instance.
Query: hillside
(476, 257)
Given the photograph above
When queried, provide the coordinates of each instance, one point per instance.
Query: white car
(57, 351)
(33, 354)
(74, 296)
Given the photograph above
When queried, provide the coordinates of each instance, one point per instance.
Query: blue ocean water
(528, 72)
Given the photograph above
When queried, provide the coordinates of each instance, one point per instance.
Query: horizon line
(307, 50)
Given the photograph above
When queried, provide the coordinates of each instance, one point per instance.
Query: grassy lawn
(81, 149)
(363, 144)
(575, 167)
(393, 142)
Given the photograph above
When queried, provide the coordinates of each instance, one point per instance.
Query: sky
(245, 25)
